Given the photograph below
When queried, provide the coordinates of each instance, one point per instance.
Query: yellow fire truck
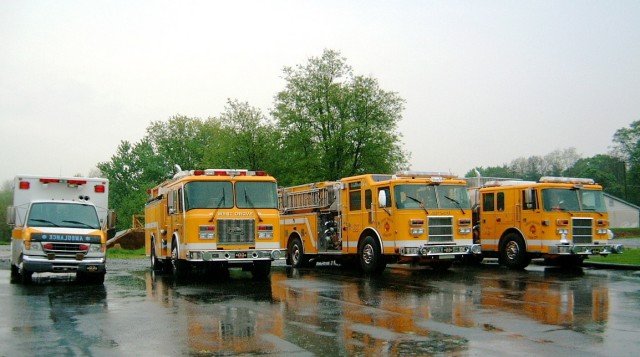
(214, 218)
(563, 220)
(410, 217)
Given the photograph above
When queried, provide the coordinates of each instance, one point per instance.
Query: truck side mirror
(111, 219)
(11, 215)
(382, 199)
(528, 198)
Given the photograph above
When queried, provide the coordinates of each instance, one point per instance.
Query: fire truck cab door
(353, 219)
(495, 218)
(174, 207)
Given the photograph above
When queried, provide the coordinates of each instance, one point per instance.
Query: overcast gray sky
(485, 82)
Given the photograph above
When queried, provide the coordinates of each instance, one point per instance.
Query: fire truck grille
(582, 230)
(440, 229)
(236, 231)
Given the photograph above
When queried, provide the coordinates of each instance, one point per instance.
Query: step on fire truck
(60, 224)
(410, 217)
(563, 220)
(214, 218)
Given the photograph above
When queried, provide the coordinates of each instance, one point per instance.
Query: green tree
(132, 170)
(627, 149)
(335, 124)
(604, 169)
(6, 200)
(244, 138)
(178, 141)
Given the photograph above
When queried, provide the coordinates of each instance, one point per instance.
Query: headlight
(29, 245)
(417, 231)
(464, 230)
(95, 248)
(562, 231)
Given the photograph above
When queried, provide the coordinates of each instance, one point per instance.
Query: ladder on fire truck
(307, 197)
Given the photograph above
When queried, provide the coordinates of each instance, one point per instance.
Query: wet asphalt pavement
(328, 311)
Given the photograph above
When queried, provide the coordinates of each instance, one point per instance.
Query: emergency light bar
(26, 185)
(434, 176)
(573, 180)
(507, 183)
(225, 172)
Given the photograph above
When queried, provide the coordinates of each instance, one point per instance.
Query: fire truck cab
(214, 218)
(410, 217)
(563, 220)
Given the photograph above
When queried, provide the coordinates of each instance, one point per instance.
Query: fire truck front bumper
(43, 264)
(590, 249)
(440, 250)
(249, 255)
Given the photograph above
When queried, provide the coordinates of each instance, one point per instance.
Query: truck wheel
(371, 260)
(513, 252)
(26, 277)
(261, 270)
(15, 272)
(296, 253)
(155, 263)
(178, 267)
(89, 278)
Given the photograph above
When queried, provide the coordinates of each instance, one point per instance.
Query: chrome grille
(440, 229)
(236, 231)
(65, 249)
(582, 230)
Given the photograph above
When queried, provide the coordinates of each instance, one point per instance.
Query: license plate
(595, 251)
(241, 255)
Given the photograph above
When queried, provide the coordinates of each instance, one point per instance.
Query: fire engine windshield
(573, 200)
(431, 196)
(256, 194)
(208, 194)
(68, 215)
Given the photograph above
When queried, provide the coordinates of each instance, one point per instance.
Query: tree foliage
(335, 124)
(532, 168)
(627, 149)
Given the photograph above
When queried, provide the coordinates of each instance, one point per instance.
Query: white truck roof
(36, 188)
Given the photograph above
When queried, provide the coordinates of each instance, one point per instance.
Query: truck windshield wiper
(456, 202)
(419, 202)
(222, 199)
(44, 221)
(246, 198)
(81, 223)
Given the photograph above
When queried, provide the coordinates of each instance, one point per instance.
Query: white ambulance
(60, 224)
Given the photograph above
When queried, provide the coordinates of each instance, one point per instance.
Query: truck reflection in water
(329, 311)
(559, 299)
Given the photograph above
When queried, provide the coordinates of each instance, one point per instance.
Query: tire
(371, 259)
(26, 277)
(178, 267)
(15, 272)
(90, 278)
(153, 258)
(261, 270)
(513, 252)
(296, 253)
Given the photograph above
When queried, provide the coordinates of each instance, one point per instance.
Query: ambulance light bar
(26, 185)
